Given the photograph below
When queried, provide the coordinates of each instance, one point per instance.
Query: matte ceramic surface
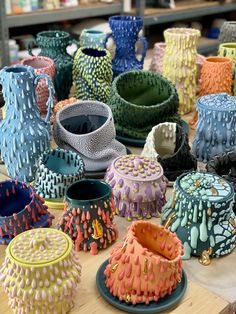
(55, 203)
(92, 38)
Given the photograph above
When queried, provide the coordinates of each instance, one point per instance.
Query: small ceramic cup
(88, 216)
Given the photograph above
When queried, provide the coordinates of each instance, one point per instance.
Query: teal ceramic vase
(92, 38)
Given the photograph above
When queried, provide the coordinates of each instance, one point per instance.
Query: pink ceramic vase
(157, 57)
(41, 65)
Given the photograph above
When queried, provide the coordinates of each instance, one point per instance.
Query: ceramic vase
(24, 135)
(53, 44)
(179, 64)
(21, 209)
(87, 128)
(141, 99)
(92, 38)
(88, 217)
(228, 32)
(152, 256)
(200, 212)
(125, 32)
(43, 270)
(41, 65)
(92, 74)
(215, 129)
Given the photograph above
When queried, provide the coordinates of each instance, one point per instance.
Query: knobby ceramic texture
(228, 32)
(141, 99)
(200, 213)
(215, 129)
(92, 74)
(24, 135)
(92, 38)
(125, 30)
(56, 170)
(146, 266)
(88, 217)
(41, 65)
(179, 64)
(41, 272)
(21, 209)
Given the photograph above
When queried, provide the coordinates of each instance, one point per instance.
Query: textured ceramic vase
(216, 126)
(21, 209)
(228, 32)
(141, 99)
(179, 64)
(62, 104)
(200, 212)
(138, 186)
(87, 128)
(93, 38)
(56, 170)
(146, 266)
(125, 32)
(24, 135)
(92, 74)
(53, 44)
(40, 272)
(88, 217)
(41, 65)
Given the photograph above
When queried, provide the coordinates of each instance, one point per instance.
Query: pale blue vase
(92, 38)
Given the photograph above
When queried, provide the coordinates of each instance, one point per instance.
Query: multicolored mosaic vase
(179, 64)
(138, 186)
(56, 170)
(40, 272)
(21, 209)
(146, 266)
(216, 126)
(92, 74)
(125, 31)
(200, 212)
(88, 216)
(93, 38)
(228, 32)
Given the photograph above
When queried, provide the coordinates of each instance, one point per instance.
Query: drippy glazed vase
(179, 64)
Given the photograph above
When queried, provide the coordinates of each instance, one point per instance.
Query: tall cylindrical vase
(179, 64)
(228, 32)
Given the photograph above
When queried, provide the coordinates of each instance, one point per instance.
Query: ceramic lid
(39, 247)
(221, 102)
(138, 168)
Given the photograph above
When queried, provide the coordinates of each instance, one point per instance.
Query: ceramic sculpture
(56, 170)
(125, 32)
(141, 99)
(62, 104)
(200, 212)
(53, 44)
(168, 144)
(21, 209)
(146, 266)
(24, 135)
(87, 128)
(92, 74)
(92, 38)
(88, 217)
(138, 186)
(40, 272)
(215, 130)
(228, 32)
(41, 65)
(179, 64)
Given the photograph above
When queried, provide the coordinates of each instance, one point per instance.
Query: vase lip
(57, 34)
(208, 102)
(228, 45)
(29, 61)
(160, 44)
(125, 18)
(182, 31)
(18, 70)
(93, 31)
(230, 22)
(95, 53)
(217, 60)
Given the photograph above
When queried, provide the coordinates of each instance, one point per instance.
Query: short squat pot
(92, 38)
(88, 217)
(41, 272)
(21, 209)
(228, 32)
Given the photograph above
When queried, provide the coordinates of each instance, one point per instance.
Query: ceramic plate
(153, 307)
(54, 203)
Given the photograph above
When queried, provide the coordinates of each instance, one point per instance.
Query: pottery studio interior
(117, 156)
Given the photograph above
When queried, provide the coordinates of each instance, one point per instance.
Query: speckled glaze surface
(146, 266)
(24, 135)
(21, 209)
(179, 64)
(215, 129)
(92, 38)
(228, 32)
(88, 215)
(43, 271)
(200, 212)
(138, 186)
(92, 74)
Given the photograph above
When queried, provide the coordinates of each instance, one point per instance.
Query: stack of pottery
(138, 186)
(40, 272)
(92, 38)
(21, 209)
(88, 216)
(200, 211)
(228, 32)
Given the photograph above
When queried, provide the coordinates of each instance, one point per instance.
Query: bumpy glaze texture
(92, 38)
(228, 32)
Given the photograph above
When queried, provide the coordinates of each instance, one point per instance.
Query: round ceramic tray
(153, 307)
(54, 203)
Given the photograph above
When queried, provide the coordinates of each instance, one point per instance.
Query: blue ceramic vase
(24, 135)
(125, 32)
(92, 38)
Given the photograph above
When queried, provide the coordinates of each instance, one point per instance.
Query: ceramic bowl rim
(50, 62)
(200, 102)
(62, 34)
(125, 18)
